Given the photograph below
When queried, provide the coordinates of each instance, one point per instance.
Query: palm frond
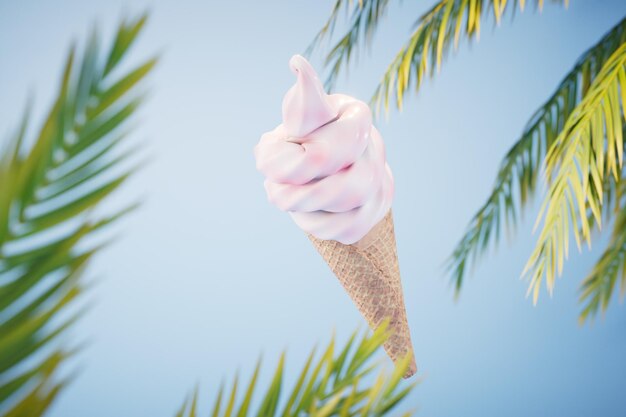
(365, 17)
(516, 181)
(436, 32)
(336, 384)
(598, 287)
(589, 148)
(47, 229)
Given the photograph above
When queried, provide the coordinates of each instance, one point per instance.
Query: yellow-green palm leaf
(365, 17)
(598, 287)
(339, 383)
(434, 34)
(47, 231)
(588, 149)
(516, 180)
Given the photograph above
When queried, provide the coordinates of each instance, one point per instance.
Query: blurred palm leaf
(587, 150)
(47, 228)
(434, 34)
(364, 20)
(337, 384)
(516, 181)
(598, 287)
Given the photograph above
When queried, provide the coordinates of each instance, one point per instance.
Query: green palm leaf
(435, 32)
(516, 180)
(598, 287)
(331, 386)
(587, 150)
(47, 229)
(364, 20)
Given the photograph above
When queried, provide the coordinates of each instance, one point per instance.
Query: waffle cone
(368, 270)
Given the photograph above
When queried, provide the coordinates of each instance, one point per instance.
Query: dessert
(325, 165)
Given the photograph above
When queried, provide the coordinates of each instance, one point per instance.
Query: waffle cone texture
(369, 272)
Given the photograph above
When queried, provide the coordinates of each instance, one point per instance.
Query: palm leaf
(332, 386)
(47, 231)
(365, 17)
(435, 33)
(598, 287)
(586, 151)
(516, 180)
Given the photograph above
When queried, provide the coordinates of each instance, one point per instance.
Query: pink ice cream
(325, 164)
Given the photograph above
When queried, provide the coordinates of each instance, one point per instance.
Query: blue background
(206, 275)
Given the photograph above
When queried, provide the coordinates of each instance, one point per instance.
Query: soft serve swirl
(325, 164)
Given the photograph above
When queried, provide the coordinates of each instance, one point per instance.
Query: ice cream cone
(325, 164)
(368, 270)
